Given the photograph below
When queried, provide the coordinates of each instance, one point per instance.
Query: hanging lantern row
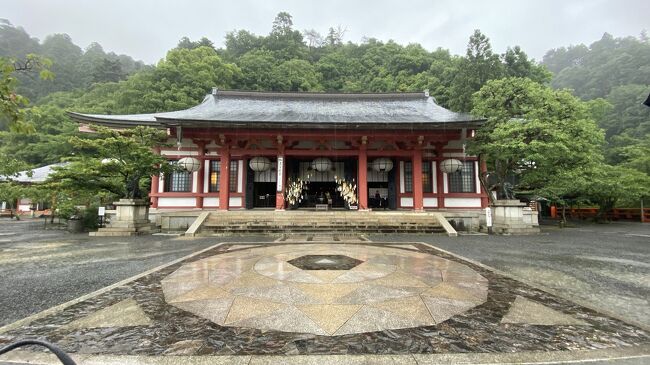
(259, 164)
(189, 164)
(450, 166)
(382, 164)
(321, 164)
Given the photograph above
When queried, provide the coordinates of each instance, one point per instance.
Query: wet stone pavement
(512, 317)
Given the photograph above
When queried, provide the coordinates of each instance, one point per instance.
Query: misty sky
(147, 29)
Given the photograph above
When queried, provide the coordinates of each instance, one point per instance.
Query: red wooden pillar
(155, 183)
(362, 176)
(440, 184)
(418, 202)
(155, 186)
(200, 174)
(484, 194)
(224, 179)
(280, 178)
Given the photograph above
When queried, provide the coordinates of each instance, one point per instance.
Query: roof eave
(321, 125)
(83, 118)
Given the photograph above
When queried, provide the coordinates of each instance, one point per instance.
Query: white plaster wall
(206, 176)
(406, 202)
(235, 201)
(463, 202)
(430, 202)
(478, 182)
(176, 202)
(240, 176)
(210, 202)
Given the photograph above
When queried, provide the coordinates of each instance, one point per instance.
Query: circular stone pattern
(325, 289)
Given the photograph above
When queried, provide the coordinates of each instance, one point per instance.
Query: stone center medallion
(325, 262)
(325, 289)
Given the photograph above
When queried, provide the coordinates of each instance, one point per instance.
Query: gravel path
(43, 268)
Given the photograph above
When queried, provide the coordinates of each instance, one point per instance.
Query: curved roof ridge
(320, 95)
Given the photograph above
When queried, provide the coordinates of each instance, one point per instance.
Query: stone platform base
(513, 217)
(132, 219)
(119, 229)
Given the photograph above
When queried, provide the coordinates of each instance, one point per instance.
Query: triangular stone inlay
(215, 310)
(283, 319)
(123, 314)
(244, 308)
(527, 311)
(329, 317)
(411, 307)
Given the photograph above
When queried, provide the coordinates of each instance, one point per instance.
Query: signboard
(101, 211)
(488, 216)
(280, 167)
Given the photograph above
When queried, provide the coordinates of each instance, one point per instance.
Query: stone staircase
(318, 222)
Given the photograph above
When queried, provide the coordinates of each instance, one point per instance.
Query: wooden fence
(627, 214)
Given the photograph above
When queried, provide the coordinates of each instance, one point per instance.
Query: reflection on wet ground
(326, 298)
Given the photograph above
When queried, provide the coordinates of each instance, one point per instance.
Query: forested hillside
(614, 74)
(284, 60)
(74, 67)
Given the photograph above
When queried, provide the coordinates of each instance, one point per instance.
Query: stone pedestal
(131, 219)
(513, 217)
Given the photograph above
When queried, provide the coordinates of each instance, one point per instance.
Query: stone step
(299, 222)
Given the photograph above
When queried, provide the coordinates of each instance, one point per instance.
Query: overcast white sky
(146, 29)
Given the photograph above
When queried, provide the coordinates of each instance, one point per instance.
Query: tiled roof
(308, 110)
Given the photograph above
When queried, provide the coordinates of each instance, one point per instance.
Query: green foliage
(10, 192)
(295, 75)
(611, 185)
(89, 216)
(627, 115)
(480, 65)
(11, 103)
(112, 162)
(533, 132)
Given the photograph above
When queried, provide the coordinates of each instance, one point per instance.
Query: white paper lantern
(321, 164)
(450, 166)
(189, 164)
(259, 164)
(382, 164)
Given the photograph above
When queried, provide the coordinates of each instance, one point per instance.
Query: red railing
(628, 214)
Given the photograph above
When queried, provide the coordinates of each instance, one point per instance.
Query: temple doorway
(263, 187)
(322, 189)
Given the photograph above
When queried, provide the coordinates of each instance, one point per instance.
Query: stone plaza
(327, 299)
